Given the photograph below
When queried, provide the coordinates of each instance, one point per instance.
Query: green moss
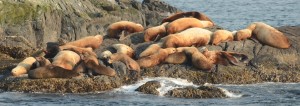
(16, 13)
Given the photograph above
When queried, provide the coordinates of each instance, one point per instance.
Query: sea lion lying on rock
(122, 48)
(220, 36)
(23, 67)
(156, 58)
(268, 35)
(192, 36)
(152, 33)
(61, 67)
(115, 29)
(185, 23)
(128, 61)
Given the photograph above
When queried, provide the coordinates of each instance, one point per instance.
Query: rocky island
(27, 25)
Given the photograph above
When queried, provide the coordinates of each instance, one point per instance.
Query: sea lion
(224, 57)
(198, 59)
(152, 33)
(66, 59)
(23, 67)
(153, 48)
(176, 58)
(156, 58)
(122, 48)
(268, 35)
(197, 15)
(61, 67)
(221, 36)
(51, 71)
(185, 23)
(128, 61)
(242, 34)
(78, 50)
(116, 28)
(91, 63)
(90, 41)
(192, 36)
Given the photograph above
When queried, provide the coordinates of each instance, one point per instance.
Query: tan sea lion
(122, 48)
(176, 58)
(153, 48)
(156, 58)
(152, 33)
(197, 15)
(185, 23)
(128, 61)
(116, 28)
(66, 59)
(90, 41)
(192, 36)
(198, 59)
(268, 35)
(243, 34)
(220, 36)
(23, 67)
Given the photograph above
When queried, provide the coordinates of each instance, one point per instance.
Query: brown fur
(116, 28)
(23, 67)
(176, 58)
(153, 32)
(185, 23)
(151, 50)
(122, 48)
(78, 50)
(156, 58)
(224, 57)
(51, 71)
(221, 36)
(66, 59)
(89, 41)
(268, 35)
(130, 63)
(243, 34)
(192, 36)
(194, 14)
(99, 68)
(198, 59)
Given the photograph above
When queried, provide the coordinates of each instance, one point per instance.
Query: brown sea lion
(116, 28)
(128, 61)
(220, 36)
(152, 33)
(224, 57)
(122, 48)
(153, 48)
(185, 23)
(51, 71)
(197, 15)
(66, 59)
(176, 58)
(23, 67)
(90, 41)
(156, 58)
(268, 35)
(91, 63)
(192, 36)
(198, 59)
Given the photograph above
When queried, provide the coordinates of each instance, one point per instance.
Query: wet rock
(150, 88)
(200, 92)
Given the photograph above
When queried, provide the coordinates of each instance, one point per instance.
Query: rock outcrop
(48, 20)
(199, 92)
(150, 88)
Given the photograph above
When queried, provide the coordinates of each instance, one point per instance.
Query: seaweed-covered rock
(150, 88)
(200, 92)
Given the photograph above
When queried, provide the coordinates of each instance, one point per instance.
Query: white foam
(166, 84)
(230, 94)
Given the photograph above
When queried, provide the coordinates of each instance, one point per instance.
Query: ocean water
(230, 14)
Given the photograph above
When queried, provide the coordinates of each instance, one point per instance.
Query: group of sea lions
(175, 42)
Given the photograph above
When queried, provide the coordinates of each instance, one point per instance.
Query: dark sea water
(230, 14)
